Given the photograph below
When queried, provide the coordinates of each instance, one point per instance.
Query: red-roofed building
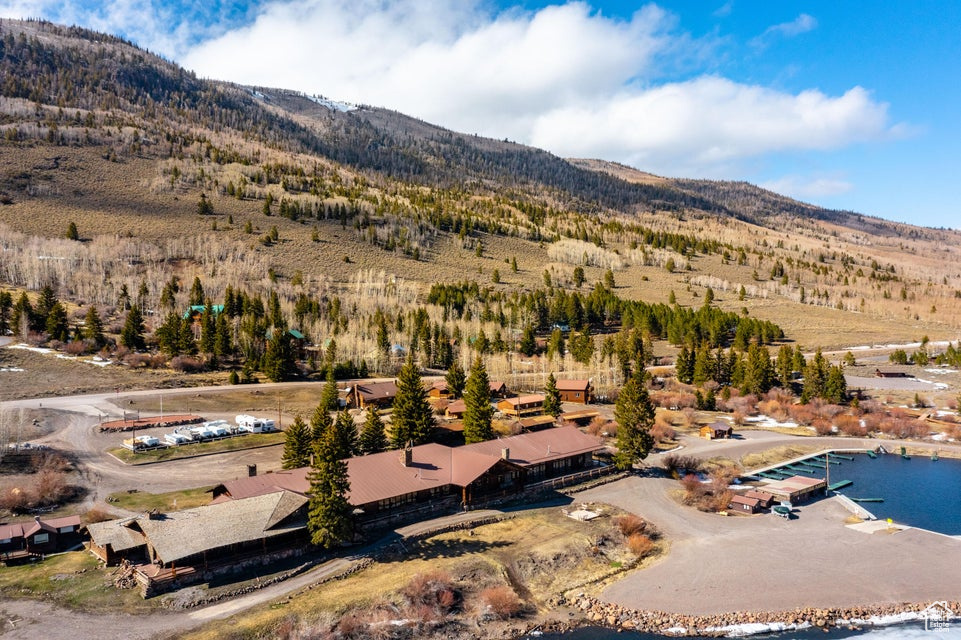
(38, 536)
(433, 474)
(579, 391)
(743, 504)
(521, 406)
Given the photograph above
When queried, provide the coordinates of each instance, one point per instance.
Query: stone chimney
(505, 454)
(251, 470)
(408, 456)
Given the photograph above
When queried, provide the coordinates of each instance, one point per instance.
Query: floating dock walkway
(809, 464)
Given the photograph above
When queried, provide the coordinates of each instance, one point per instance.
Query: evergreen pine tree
(72, 233)
(815, 377)
(328, 511)
(197, 296)
(56, 326)
(555, 345)
(329, 398)
(93, 327)
(477, 405)
(208, 331)
(373, 438)
(835, 387)
(345, 436)
(186, 342)
(684, 366)
(223, 343)
(279, 363)
(6, 306)
(320, 423)
(297, 445)
(456, 379)
(412, 419)
(131, 336)
(634, 414)
(528, 344)
(45, 304)
(552, 397)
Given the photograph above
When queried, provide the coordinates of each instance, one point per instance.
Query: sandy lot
(719, 564)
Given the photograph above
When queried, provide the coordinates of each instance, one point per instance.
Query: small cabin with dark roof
(743, 504)
(716, 431)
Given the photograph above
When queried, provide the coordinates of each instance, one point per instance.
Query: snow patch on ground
(27, 347)
(762, 420)
(940, 372)
(936, 385)
(12, 369)
(752, 628)
(333, 105)
(96, 360)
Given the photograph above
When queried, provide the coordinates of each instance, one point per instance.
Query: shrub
(502, 601)
(640, 545)
(96, 514)
(75, 348)
(187, 364)
(675, 464)
(662, 432)
(597, 426)
(630, 524)
(822, 427)
(434, 590)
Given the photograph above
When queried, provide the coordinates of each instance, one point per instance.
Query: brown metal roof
(377, 390)
(540, 446)
(573, 385)
(10, 531)
(497, 386)
(520, 400)
(457, 406)
(580, 415)
(763, 496)
(536, 421)
(751, 502)
(50, 524)
(381, 476)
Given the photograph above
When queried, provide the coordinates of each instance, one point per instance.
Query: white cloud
(802, 24)
(564, 77)
(702, 126)
(807, 187)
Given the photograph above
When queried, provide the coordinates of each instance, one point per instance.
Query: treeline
(545, 308)
(753, 371)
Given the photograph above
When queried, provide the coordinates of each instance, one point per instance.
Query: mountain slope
(98, 132)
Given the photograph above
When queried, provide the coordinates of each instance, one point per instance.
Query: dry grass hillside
(359, 212)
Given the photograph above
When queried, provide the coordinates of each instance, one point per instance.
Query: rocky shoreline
(589, 611)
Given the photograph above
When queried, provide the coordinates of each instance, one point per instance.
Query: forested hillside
(130, 186)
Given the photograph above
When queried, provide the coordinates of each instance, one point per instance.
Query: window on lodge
(41, 538)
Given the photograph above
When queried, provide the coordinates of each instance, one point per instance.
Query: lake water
(918, 492)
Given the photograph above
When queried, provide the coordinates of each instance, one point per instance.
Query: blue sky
(845, 104)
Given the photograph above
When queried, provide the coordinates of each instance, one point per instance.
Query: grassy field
(538, 554)
(202, 448)
(72, 580)
(241, 399)
(142, 501)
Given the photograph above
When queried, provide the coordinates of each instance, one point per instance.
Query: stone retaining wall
(594, 611)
